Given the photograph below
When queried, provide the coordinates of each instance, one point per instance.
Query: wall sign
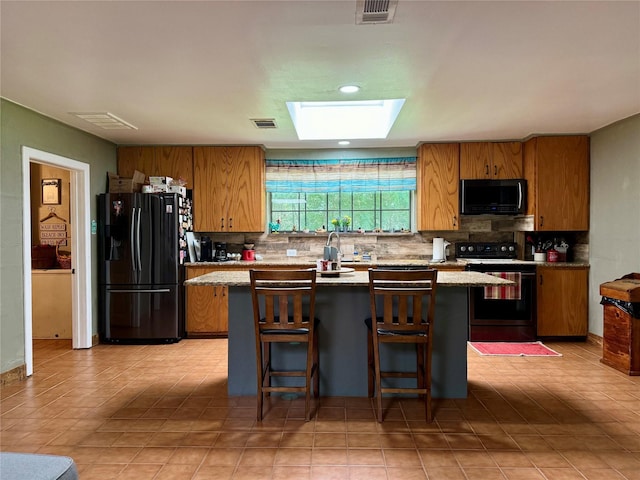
(53, 234)
(51, 191)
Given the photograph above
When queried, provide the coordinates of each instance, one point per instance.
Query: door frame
(81, 299)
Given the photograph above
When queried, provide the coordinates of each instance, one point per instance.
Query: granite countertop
(240, 278)
(303, 262)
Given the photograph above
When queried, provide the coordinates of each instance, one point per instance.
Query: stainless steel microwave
(497, 197)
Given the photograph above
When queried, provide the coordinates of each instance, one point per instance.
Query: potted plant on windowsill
(346, 221)
(336, 224)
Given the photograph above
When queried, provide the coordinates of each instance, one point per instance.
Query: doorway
(81, 302)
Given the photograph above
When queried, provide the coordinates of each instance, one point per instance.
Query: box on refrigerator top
(177, 189)
(160, 180)
(125, 185)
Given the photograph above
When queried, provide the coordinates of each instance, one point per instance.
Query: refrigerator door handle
(138, 241)
(151, 290)
(133, 232)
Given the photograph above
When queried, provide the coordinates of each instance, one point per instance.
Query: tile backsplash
(484, 228)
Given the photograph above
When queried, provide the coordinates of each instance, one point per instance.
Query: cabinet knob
(486, 169)
(455, 221)
(230, 223)
(495, 170)
(541, 279)
(541, 220)
(222, 223)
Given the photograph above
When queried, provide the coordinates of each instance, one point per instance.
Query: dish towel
(510, 292)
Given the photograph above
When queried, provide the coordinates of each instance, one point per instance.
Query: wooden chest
(621, 341)
(621, 330)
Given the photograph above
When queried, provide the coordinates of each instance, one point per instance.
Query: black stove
(506, 316)
(486, 250)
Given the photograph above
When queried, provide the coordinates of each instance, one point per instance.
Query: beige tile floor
(161, 412)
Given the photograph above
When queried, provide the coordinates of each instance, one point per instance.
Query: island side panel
(343, 347)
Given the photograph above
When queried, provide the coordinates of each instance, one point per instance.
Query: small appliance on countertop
(439, 250)
(220, 254)
(248, 253)
(206, 250)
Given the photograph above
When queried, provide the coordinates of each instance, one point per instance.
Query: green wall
(614, 236)
(22, 127)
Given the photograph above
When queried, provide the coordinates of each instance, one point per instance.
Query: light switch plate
(292, 252)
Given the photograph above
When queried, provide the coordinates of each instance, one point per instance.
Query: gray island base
(342, 304)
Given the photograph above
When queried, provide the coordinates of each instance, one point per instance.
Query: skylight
(344, 120)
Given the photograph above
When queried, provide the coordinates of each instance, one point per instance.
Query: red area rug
(509, 349)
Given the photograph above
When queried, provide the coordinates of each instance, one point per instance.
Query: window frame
(378, 211)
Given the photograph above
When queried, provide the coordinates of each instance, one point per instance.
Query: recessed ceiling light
(344, 142)
(344, 120)
(349, 88)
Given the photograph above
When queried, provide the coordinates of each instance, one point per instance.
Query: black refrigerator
(142, 248)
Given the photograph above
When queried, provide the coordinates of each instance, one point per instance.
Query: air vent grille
(105, 120)
(375, 11)
(264, 122)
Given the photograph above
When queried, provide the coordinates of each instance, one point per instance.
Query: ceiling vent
(375, 11)
(264, 122)
(105, 120)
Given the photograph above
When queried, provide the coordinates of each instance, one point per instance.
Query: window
(388, 211)
(375, 191)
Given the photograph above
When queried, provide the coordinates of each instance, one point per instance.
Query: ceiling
(196, 72)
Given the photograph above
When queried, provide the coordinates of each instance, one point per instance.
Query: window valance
(341, 175)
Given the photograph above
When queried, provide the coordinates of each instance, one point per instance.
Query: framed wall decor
(51, 191)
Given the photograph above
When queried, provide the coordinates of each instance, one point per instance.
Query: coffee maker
(220, 254)
(206, 253)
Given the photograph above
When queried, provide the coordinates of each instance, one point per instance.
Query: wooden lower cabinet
(562, 301)
(207, 307)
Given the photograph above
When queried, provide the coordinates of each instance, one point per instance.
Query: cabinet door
(207, 307)
(168, 161)
(506, 160)
(174, 162)
(490, 160)
(562, 301)
(135, 158)
(229, 189)
(210, 196)
(475, 160)
(246, 184)
(438, 176)
(560, 172)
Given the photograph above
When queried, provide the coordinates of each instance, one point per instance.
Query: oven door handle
(528, 274)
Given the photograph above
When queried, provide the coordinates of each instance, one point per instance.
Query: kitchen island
(342, 304)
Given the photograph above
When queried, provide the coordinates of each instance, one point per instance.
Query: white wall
(614, 239)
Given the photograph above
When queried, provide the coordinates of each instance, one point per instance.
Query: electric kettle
(439, 249)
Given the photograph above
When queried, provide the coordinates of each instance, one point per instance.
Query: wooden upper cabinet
(161, 161)
(557, 173)
(438, 177)
(229, 189)
(490, 160)
(134, 158)
(562, 297)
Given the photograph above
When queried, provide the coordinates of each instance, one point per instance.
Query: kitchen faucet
(332, 253)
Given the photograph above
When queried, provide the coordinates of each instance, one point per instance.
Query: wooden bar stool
(279, 299)
(403, 305)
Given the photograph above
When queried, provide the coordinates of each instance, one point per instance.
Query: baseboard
(594, 339)
(13, 375)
